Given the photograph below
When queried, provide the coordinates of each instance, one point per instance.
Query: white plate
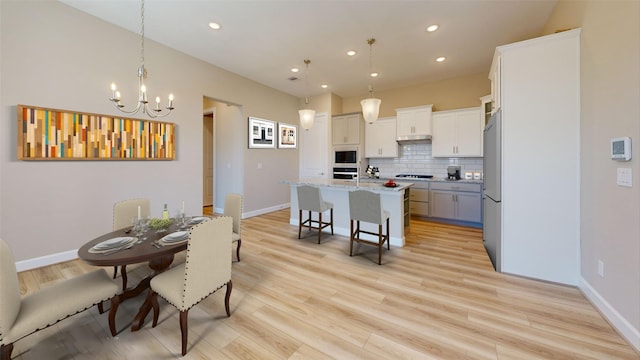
(176, 236)
(114, 243)
(197, 220)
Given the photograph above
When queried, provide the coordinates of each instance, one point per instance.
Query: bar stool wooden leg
(319, 226)
(299, 223)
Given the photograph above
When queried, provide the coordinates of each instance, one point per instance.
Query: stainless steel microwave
(345, 155)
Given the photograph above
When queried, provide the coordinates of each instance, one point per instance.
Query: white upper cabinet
(346, 129)
(414, 122)
(494, 76)
(380, 138)
(457, 133)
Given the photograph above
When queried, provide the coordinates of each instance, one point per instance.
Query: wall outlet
(601, 268)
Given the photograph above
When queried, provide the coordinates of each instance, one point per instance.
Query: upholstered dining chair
(310, 200)
(20, 317)
(233, 208)
(206, 270)
(123, 212)
(366, 206)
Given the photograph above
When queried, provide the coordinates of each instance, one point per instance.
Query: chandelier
(307, 115)
(371, 106)
(143, 103)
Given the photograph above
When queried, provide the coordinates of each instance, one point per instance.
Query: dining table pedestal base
(157, 265)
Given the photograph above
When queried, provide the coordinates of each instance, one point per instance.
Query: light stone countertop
(364, 184)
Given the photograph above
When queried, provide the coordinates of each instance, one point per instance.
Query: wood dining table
(158, 257)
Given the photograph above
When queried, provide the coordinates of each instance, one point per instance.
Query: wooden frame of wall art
(262, 133)
(287, 136)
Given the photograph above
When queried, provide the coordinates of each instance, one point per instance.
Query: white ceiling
(262, 40)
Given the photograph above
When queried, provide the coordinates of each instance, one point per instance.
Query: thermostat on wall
(621, 148)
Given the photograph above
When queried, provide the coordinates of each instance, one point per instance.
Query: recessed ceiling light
(432, 28)
(295, 70)
(374, 74)
(441, 59)
(214, 26)
(324, 86)
(351, 52)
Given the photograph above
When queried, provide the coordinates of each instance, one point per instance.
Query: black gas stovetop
(414, 176)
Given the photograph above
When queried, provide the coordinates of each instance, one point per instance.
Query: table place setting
(172, 239)
(113, 245)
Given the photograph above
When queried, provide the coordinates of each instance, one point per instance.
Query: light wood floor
(436, 298)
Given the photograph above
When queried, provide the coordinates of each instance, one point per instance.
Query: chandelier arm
(121, 107)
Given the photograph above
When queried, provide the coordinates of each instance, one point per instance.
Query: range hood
(413, 139)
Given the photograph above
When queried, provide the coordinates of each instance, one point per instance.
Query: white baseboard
(630, 333)
(46, 260)
(265, 210)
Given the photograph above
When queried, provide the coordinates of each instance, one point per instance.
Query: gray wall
(58, 57)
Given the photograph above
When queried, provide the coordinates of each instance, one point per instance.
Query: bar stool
(309, 199)
(366, 206)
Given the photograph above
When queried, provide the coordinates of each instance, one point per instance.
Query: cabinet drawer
(419, 195)
(419, 208)
(456, 186)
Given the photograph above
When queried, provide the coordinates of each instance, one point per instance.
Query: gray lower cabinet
(456, 201)
(419, 199)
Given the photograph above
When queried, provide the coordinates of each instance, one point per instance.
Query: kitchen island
(395, 200)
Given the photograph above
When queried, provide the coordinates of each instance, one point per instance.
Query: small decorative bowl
(160, 224)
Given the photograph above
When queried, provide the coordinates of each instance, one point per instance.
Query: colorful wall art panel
(50, 134)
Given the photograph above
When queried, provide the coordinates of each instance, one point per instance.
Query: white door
(314, 148)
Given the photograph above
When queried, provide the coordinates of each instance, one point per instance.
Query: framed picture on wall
(262, 133)
(287, 136)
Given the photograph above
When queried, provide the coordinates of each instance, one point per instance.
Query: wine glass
(140, 227)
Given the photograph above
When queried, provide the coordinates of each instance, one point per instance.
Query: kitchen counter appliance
(453, 172)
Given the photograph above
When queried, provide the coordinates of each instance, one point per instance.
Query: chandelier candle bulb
(157, 102)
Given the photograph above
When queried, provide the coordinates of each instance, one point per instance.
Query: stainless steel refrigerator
(492, 189)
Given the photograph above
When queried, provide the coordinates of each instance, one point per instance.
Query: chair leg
(115, 302)
(319, 226)
(115, 271)
(184, 330)
(299, 223)
(100, 307)
(227, 296)
(5, 351)
(123, 271)
(238, 249)
(153, 298)
(310, 222)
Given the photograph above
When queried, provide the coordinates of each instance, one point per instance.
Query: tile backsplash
(415, 158)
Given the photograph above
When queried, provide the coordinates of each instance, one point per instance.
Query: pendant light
(371, 106)
(307, 115)
(143, 104)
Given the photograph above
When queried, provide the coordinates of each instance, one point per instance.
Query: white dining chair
(20, 317)
(206, 270)
(233, 208)
(123, 213)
